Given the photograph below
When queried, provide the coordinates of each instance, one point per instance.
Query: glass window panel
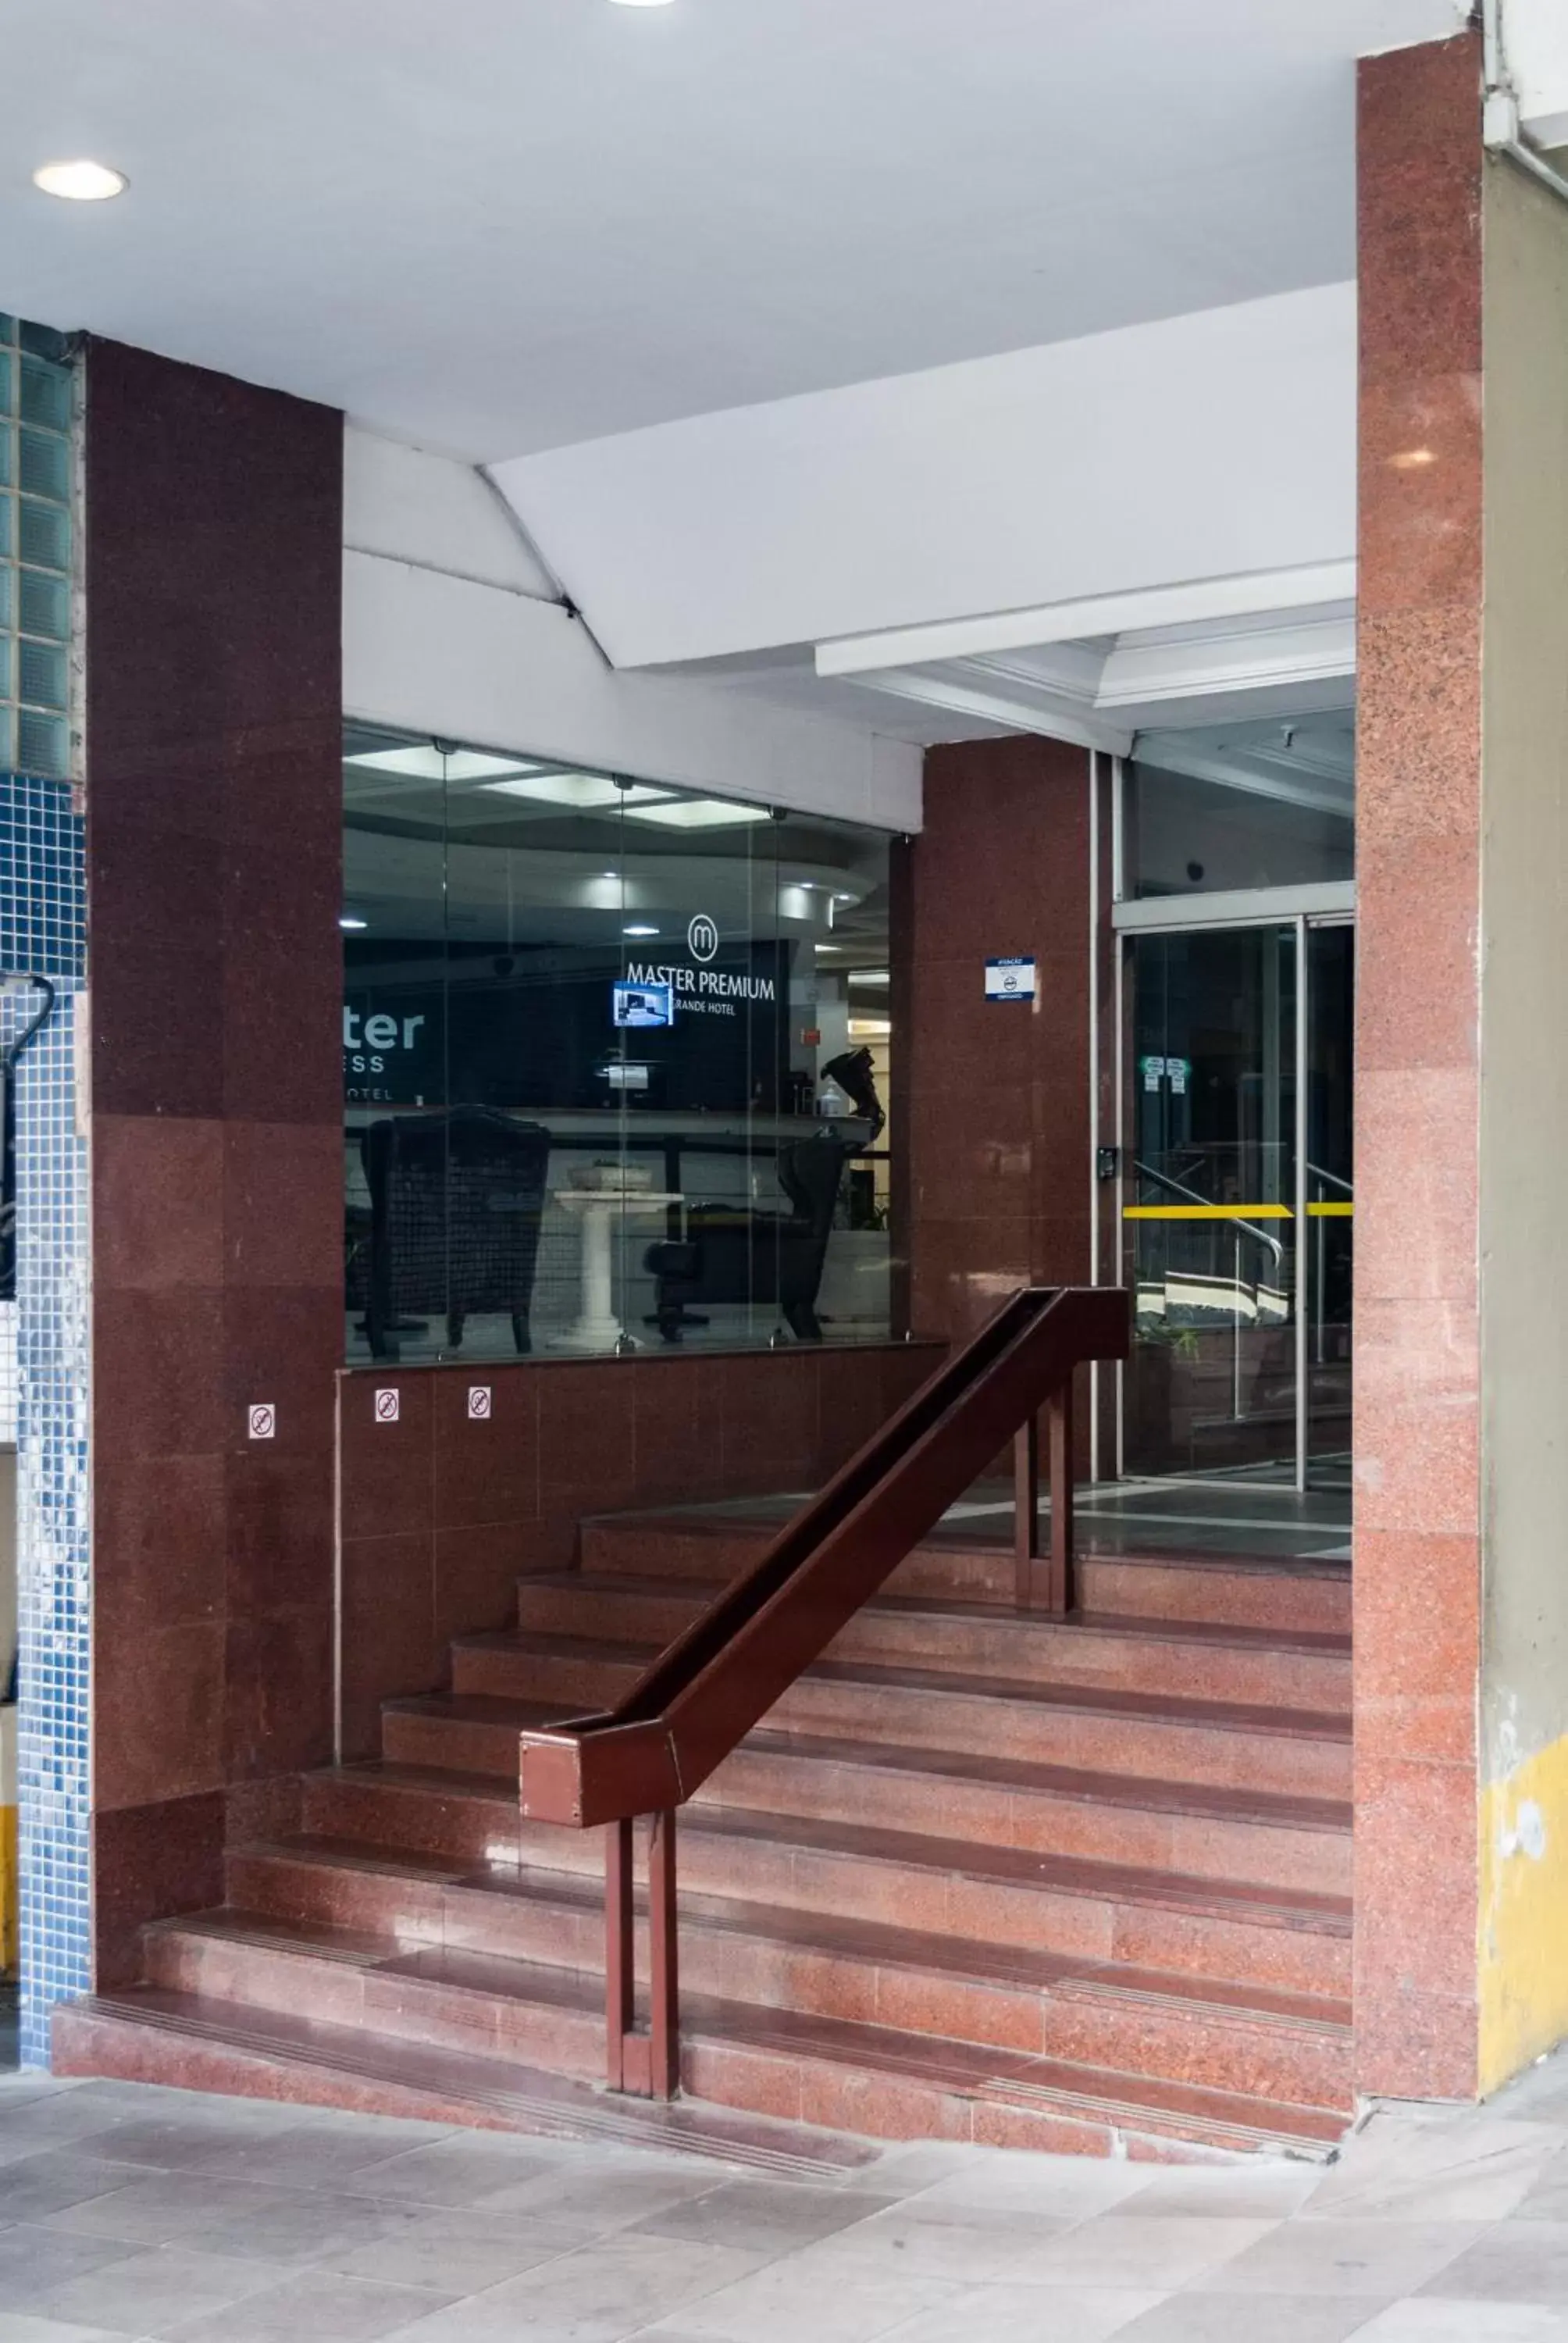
(642, 1144)
(1242, 806)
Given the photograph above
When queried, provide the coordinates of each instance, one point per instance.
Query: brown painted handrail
(702, 1697)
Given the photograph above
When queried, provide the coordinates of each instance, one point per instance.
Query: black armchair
(734, 1253)
(455, 1204)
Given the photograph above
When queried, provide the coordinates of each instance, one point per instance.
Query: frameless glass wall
(616, 1062)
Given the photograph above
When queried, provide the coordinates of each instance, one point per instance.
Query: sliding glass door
(1236, 1219)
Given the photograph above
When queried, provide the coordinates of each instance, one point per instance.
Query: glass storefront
(616, 1062)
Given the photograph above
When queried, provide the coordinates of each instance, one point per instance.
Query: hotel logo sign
(702, 939)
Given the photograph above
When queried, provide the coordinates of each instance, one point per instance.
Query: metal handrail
(700, 1698)
(1196, 1196)
(1316, 1171)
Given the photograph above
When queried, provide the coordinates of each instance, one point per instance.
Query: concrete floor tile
(774, 2216)
(597, 2294)
(1379, 2260)
(148, 2291)
(35, 2263)
(459, 2170)
(595, 2199)
(319, 2307)
(160, 2207)
(26, 2327)
(788, 2303)
(1265, 2192)
(34, 2186)
(1514, 2261)
(963, 2243)
(1153, 2252)
(457, 2251)
(1201, 2317)
(1024, 2314)
(1466, 2167)
(1466, 2322)
(325, 2154)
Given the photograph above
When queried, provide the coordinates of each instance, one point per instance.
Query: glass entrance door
(1237, 1245)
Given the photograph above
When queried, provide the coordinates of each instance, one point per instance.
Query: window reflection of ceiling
(1305, 760)
(440, 847)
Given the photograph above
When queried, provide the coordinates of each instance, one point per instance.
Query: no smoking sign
(479, 1402)
(263, 1420)
(388, 1406)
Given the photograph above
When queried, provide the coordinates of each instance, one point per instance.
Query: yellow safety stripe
(1207, 1212)
(1233, 1211)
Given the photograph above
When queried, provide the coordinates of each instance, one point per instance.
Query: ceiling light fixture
(639, 931)
(642, 4)
(80, 182)
(347, 919)
(695, 813)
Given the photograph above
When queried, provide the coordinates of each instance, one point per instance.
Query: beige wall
(1523, 1185)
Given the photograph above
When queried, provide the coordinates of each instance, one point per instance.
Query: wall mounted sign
(388, 1406)
(263, 1418)
(1010, 980)
(1175, 1071)
(479, 1402)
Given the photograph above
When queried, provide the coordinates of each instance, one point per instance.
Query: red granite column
(995, 1099)
(1417, 1421)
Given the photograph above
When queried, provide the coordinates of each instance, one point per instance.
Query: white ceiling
(509, 224)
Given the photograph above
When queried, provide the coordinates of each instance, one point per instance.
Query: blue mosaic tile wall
(43, 919)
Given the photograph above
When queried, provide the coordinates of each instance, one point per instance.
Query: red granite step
(1209, 1832)
(1183, 2027)
(1302, 1753)
(146, 2034)
(893, 2083)
(1297, 1668)
(1242, 1590)
(1000, 1896)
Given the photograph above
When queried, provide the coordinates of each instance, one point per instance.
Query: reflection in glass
(615, 1058)
(1227, 808)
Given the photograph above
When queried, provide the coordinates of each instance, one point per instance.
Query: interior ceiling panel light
(694, 813)
(584, 791)
(424, 763)
(80, 182)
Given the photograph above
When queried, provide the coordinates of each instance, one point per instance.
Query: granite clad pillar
(994, 1100)
(1461, 1102)
(214, 706)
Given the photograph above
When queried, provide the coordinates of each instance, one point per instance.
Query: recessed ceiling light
(639, 931)
(696, 813)
(642, 4)
(870, 976)
(347, 919)
(584, 791)
(80, 182)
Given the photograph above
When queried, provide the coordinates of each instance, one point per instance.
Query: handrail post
(1026, 1510)
(619, 1960)
(1061, 1591)
(663, 1960)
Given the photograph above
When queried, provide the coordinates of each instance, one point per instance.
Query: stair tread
(1276, 1809)
(1300, 1641)
(501, 2093)
(951, 1957)
(1236, 1716)
(968, 2070)
(994, 1865)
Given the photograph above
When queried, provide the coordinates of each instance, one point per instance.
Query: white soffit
(1536, 57)
(1100, 690)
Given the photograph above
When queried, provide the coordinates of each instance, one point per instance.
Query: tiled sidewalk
(134, 2212)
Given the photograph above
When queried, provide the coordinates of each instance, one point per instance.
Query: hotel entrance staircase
(967, 1849)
